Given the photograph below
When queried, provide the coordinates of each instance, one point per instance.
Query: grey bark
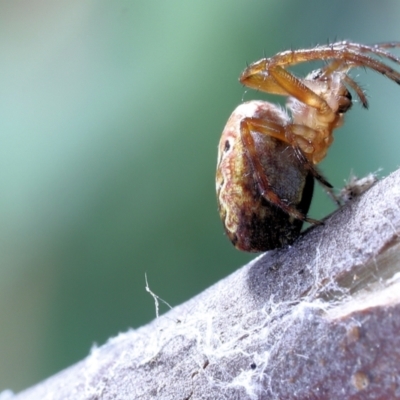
(319, 319)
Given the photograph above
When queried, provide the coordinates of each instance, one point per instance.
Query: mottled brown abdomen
(251, 222)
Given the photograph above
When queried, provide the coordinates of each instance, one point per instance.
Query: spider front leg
(353, 54)
(296, 88)
(266, 190)
(276, 80)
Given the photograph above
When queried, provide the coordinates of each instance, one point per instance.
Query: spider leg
(337, 50)
(303, 160)
(334, 66)
(294, 135)
(296, 88)
(356, 87)
(341, 66)
(312, 144)
(377, 49)
(277, 80)
(350, 54)
(359, 60)
(266, 190)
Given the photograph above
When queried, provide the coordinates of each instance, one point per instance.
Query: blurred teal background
(110, 115)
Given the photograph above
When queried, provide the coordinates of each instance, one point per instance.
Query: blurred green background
(110, 115)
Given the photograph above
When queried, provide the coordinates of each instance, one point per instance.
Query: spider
(267, 156)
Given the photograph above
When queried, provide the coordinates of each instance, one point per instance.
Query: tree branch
(317, 320)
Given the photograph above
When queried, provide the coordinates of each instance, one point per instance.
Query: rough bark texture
(320, 319)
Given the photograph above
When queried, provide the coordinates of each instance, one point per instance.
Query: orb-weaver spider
(267, 156)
